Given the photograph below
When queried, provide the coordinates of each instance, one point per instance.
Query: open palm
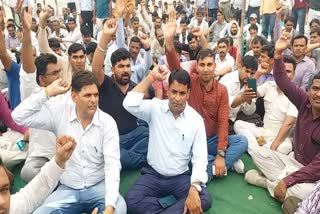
(171, 25)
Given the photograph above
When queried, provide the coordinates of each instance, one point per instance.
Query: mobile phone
(21, 144)
(252, 83)
(167, 201)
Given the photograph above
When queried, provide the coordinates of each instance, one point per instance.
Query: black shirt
(110, 101)
(192, 54)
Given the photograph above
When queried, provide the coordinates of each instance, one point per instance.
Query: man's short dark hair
(315, 30)
(54, 43)
(288, 19)
(315, 76)
(74, 48)
(253, 27)
(250, 62)
(269, 49)
(118, 55)
(291, 60)
(223, 40)
(71, 19)
(299, 37)
(11, 25)
(42, 62)
(134, 19)
(257, 40)
(85, 31)
(203, 53)
(317, 21)
(135, 39)
(183, 21)
(81, 79)
(181, 76)
(91, 48)
(191, 36)
(230, 39)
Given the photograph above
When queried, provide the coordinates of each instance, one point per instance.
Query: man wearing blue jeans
(134, 134)
(92, 175)
(299, 11)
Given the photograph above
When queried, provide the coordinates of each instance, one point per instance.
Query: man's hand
(159, 73)
(171, 26)
(280, 191)
(120, 8)
(220, 166)
(144, 41)
(282, 43)
(196, 31)
(44, 16)
(108, 210)
(64, 148)
(248, 95)
(274, 146)
(26, 16)
(26, 135)
(193, 202)
(57, 87)
(110, 27)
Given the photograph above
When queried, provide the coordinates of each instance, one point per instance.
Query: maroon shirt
(5, 116)
(307, 130)
(300, 4)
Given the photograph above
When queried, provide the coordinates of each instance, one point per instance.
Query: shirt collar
(167, 110)
(95, 120)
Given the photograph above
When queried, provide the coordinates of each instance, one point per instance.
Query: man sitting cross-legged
(177, 136)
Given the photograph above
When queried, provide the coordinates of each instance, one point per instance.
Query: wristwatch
(197, 186)
(221, 153)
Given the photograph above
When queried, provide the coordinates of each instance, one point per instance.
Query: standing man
(268, 14)
(87, 13)
(299, 11)
(93, 172)
(177, 136)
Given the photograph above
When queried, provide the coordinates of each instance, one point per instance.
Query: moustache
(125, 75)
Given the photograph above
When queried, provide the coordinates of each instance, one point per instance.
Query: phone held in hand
(252, 83)
(21, 144)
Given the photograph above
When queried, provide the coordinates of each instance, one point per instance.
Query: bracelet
(148, 49)
(154, 77)
(101, 49)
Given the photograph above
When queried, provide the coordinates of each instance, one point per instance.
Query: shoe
(238, 166)
(256, 178)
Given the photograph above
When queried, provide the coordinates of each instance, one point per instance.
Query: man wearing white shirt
(58, 32)
(74, 33)
(177, 136)
(93, 171)
(224, 62)
(241, 98)
(279, 118)
(31, 196)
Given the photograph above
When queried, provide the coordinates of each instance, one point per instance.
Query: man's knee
(290, 205)
(206, 199)
(28, 172)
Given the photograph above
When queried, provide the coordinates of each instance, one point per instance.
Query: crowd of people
(177, 90)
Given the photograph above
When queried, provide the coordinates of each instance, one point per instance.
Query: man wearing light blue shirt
(176, 137)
